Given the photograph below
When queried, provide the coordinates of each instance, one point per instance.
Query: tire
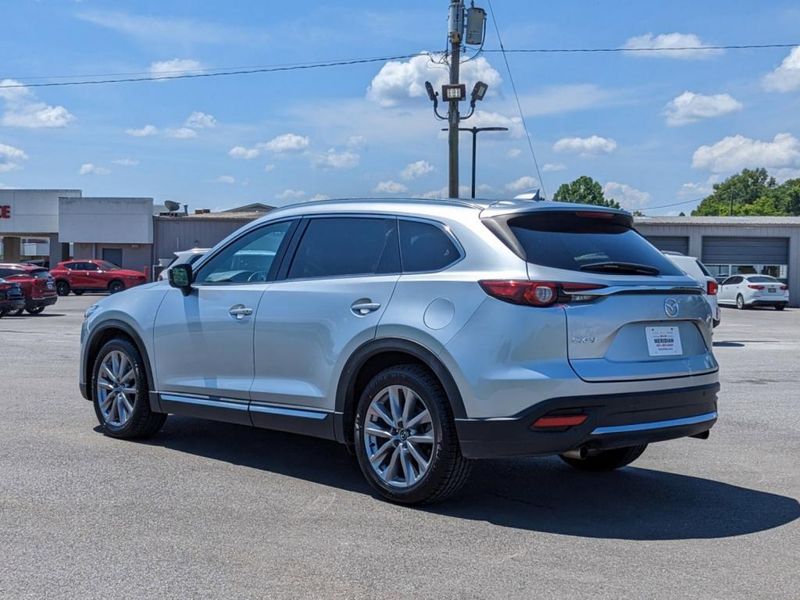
(115, 287)
(19, 312)
(779, 307)
(139, 420)
(2, 313)
(740, 302)
(34, 311)
(78, 292)
(62, 288)
(447, 469)
(606, 460)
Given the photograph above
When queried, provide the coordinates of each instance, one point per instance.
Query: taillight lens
(755, 287)
(712, 287)
(784, 287)
(537, 293)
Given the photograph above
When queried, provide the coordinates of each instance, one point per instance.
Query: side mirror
(180, 276)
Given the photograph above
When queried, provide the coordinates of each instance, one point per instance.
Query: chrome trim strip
(207, 401)
(288, 412)
(655, 424)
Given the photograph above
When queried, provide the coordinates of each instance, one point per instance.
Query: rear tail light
(558, 421)
(711, 287)
(755, 287)
(784, 287)
(537, 293)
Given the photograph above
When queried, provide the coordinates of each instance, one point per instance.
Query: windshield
(107, 266)
(590, 242)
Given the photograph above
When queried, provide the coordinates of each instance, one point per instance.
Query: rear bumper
(45, 301)
(769, 302)
(12, 305)
(613, 421)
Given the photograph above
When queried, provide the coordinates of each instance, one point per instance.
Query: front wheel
(115, 287)
(606, 460)
(120, 392)
(740, 302)
(405, 437)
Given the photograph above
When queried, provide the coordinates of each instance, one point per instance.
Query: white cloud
(526, 182)
(22, 109)
(92, 169)
(356, 142)
(559, 99)
(786, 77)
(553, 167)
(10, 158)
(690, 107)
(629, 197)
(291, 194)
(269, 168)
(176, 66)
(317, 197)
(337, 160)
(398, 81)
(698, 189)
(737, 152)
(200, 120)
(588, 146)
(417, 169)
(390, 187)
(145, 131)
(225, 179)
(665, 41)
(514, 153)
(483, 118)
(243, 153)
(125, 162)
(181, 133)
(463, 192)
(288, 142)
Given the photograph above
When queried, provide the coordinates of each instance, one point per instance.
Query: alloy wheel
(399, 436)
(116, 388)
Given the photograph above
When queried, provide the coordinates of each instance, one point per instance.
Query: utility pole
(456, 22)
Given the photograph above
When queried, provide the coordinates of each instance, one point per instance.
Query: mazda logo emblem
(671, 307)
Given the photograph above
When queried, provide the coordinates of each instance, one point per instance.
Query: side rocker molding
(345, 390)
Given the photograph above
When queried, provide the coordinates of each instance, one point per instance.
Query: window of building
(340, 246)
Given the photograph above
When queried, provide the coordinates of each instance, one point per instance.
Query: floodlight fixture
(454, 91)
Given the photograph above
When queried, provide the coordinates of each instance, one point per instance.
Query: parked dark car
(11, 297)
(79, 276)
(38, 287)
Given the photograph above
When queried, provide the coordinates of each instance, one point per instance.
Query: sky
(656, 129)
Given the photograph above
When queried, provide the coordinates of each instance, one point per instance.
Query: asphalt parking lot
(216, 510)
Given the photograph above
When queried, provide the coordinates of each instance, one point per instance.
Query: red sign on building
(5, 211)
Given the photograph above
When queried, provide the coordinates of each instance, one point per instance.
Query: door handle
(364, 307)
(240, 311)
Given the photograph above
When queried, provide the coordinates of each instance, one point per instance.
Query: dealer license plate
(664, 341)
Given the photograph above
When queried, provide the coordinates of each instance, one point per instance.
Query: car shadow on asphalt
(534, 494)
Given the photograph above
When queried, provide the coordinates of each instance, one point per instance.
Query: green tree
(746, 193)
(584, 190)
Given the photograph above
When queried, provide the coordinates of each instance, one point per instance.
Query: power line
(670, 205)
(139, 76)
(671, 49)
(249, 71)
(516, 96)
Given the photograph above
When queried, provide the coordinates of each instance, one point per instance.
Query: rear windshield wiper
(620, 267)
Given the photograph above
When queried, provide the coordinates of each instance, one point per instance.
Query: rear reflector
(712, 287)
(536, 293)
(559, 421)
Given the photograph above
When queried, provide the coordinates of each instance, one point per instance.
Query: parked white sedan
(744, 291)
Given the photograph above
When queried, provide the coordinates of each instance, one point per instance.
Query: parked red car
(37, 285)
(79, 276)
(11, 297)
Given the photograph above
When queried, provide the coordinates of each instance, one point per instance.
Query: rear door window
(342, 246)
(425, 247)
(588, 242)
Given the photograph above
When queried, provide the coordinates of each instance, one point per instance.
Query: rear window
(586, 242)
(762, 279)
(703, 269)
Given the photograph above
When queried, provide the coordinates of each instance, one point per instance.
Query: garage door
(670, 243)
(745, 250)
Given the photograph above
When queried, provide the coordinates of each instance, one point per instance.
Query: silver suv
(421, 334)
